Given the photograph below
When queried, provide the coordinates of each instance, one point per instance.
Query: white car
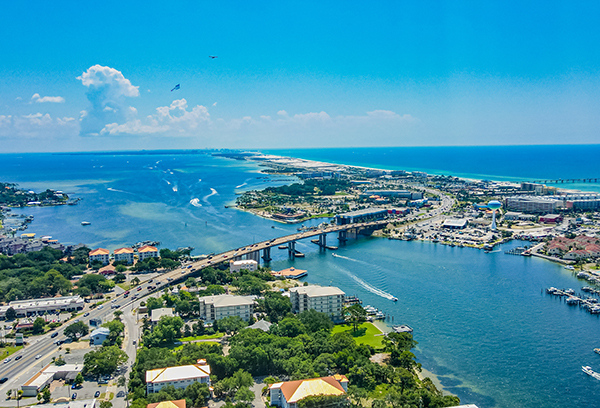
(38, 356)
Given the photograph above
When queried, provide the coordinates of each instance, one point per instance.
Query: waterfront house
(287, 394)
(178, 377)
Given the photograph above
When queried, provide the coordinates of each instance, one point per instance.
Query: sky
(79, 77)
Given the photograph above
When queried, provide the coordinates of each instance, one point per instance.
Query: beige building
(287, 394)
(247, 264)
(178, 377)
(324, 299)
(217, 307)
(147, 251)
(101, 255)
(124, 254)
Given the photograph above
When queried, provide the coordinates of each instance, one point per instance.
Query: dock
(590, 304)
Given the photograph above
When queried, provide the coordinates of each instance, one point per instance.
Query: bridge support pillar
(292, 249)
(343, 236)
(266, 254)
(323, 241)
(255, 256)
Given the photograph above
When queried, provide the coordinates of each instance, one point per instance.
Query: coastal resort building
(290, 273)
(98, 336)
(147, 251)
(219, 306)
(531, 204)
(324, 299)
(168, 404)
(48, 374)
(354, 217)
(156, 314)
(455, 224)
(287, 394)
(247, 264)
(178, 377)
(31, 307)
(124, 254)
(100, 254)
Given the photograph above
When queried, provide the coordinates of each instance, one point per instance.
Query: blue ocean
(484, 325)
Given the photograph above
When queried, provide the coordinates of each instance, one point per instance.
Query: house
(576, 254)
(168, 404)
(247, 264)
(147, 251)
(178, 377)
(100, 254)
(217, 307)
(287, 394)
(324, 299)
(124, 254)
(261, 325)
(158, 313)
(98, 336)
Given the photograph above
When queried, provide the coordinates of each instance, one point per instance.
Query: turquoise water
(482, 323)
(502, 163)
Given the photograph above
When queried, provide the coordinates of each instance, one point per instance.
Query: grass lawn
(203, 337)
(367, 334)
(180, 347)
(7, 351)
(124, 285)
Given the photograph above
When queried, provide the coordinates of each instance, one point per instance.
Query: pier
(589, 303)
(573, 180)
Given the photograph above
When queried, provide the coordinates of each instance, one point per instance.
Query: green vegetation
(11, 195)
(76, 330)
(203, 337)
(6, 350)
(103, 361)
(366, 333)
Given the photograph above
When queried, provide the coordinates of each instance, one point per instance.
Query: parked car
(120, 394)
(96, 394)
(74, 395)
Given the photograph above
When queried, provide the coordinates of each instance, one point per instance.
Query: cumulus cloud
(36, 125)
(52, 99)
(175, 120)
(107, 93)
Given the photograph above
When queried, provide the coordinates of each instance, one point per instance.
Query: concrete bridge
(573, 180)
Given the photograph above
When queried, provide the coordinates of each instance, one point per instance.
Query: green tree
(355, 315)
(103, 361)
(135, 281)
(46, 395)
(11, 314)
(76, 330)
(244, 395)
(106, 404)
(154, 303)
(276, 306)
(38, 325)
(78, 379)
(230, 324)
(315, 321)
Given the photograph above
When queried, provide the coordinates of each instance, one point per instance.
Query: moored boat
(597, 350)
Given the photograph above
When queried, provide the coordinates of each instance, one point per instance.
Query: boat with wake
(588, 370)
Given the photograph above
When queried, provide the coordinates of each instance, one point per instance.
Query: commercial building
(408, 195)
(48, 374)
(324, 299)
(219, 306)
(247, 264)
(178, 377)
(156, 314)
(100, 254)
(98, 336)
(31, 307)
(290, 273)
(368, 214)
(532, 204)
(455, 223)
(124, 254)
(551, 219)
(79, 403)
(147, 251)
(287, 394)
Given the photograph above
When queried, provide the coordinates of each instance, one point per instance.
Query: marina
(590, 304)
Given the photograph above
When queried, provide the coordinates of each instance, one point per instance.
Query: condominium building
(101, 255)
(324, 299)
(147, 251)
(532, 204)
(247, 264)
(217, 307)
(124, 254)
(178, 377)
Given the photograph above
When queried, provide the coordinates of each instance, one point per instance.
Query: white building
(87, 403)
(147, 251)
(98, 336)
(287, 394)
(156, 314)
(178, 377)
(48, 374)
(32, 306)
(217, 307)
(324, 299)
(100, 254)
(124, 254)
(247, 264)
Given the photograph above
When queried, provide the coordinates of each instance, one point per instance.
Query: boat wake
(212, 193)
(117, 191)
(241, 185)
(195, 202)
(175, 188)
(368, 286)
(168, 182)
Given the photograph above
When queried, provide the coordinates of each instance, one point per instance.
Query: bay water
(483, 323)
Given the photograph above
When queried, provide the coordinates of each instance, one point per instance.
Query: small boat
(402, 328)
(588, 370)
(394, 299)
(272, 226)
(86, 223)
(597, 350)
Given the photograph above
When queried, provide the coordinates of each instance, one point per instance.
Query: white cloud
(107, 90)
(215, 104)
(52, 99)
(37, 125)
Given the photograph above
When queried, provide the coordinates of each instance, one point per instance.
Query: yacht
(85, 223)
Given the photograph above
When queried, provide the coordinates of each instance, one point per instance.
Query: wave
(241, 185)
(114, 189)
(195, 202)
(212, 193)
